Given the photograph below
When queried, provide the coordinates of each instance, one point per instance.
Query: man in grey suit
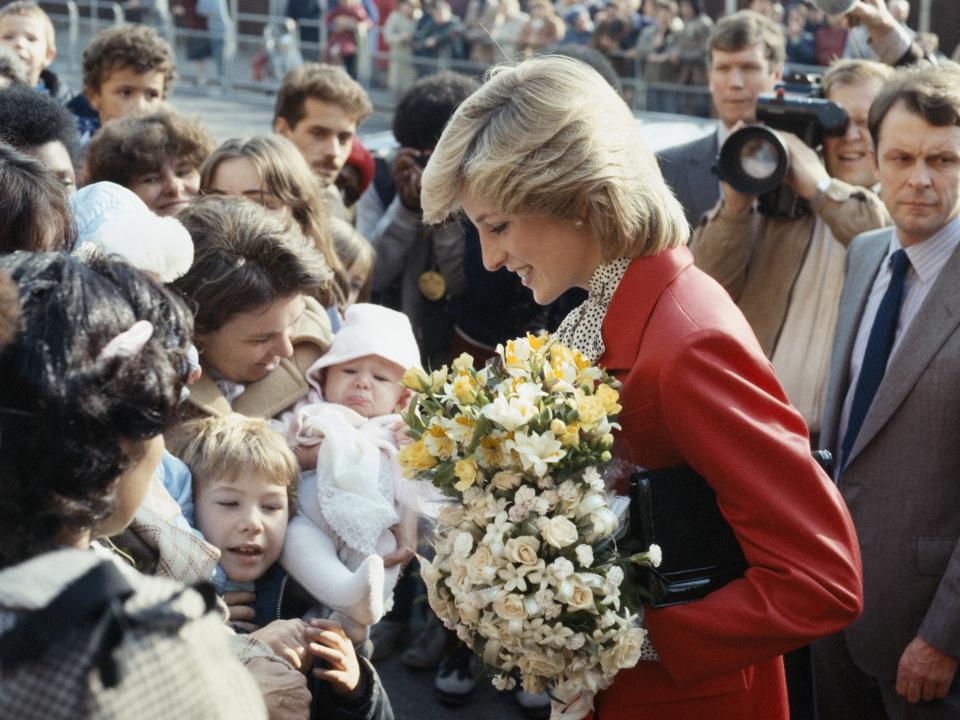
(892, 417)
(745, 54)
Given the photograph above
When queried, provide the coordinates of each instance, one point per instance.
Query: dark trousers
(844, 692)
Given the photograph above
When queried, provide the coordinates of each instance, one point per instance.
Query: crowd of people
(202, 346)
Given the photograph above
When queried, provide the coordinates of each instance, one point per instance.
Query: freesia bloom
(536, 451)
(510, 412)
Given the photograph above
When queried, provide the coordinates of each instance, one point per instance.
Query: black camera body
(755, 160)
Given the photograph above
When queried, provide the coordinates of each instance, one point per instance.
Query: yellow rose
(415, 379)
(463, 363)
(608, 396)
(570, 435)
(415, 458)
(466, 472)
(591, 411)
(465, 388)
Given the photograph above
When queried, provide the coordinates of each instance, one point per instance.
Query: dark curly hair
(63, 410)
(128, 147)
(29, 119)
(135, 47)
(34, 214)
(425, 108)
(245, 258)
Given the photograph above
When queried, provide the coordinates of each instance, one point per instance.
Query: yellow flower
(415, 458)
(463, 363)
(415, 379)
(437, 379)
(536, 342)
(465, 388)
(466, 472)
(571, 435)
(608, 396)
(591, 411)
(438, 442)
(489, 451)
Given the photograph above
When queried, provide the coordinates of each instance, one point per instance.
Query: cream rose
(559, 532)
(510, 607)
(581, 597)
(523, 550)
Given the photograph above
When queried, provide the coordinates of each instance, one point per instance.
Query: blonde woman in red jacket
(547, 161)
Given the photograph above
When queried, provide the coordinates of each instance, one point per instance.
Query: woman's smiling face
(550, 255)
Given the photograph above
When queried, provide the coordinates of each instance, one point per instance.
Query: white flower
(561, 568)
(541, 505)
(614, 576)
(462, 544)
(505, 480)
(524, 495)
(593, 479)
(519, 512)
(559, 531)
(504, 682)
(537, 451)
(584, 555)
(510, 413)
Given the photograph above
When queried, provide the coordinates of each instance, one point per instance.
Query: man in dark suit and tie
(892, 417)
(745, 54)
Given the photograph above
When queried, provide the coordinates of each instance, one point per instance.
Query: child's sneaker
(457, 676)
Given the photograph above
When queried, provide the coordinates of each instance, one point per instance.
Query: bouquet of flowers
(526, 571)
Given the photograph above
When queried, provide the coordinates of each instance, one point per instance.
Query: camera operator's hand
(873, 15)
(806, 167)
(406, 177)
(735, 201)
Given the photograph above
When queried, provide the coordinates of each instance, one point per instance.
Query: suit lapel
(935, 321)
(860, 276)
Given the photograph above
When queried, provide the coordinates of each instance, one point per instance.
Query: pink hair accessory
(128, 343)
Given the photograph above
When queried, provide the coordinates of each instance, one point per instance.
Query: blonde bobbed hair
(550, 137)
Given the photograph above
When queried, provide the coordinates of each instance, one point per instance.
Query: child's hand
(307, 456)
(242, 614)
(400, 437)
(326, 641)
(286, 639)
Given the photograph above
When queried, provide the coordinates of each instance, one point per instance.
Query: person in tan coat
(256, 289)
(786, 274)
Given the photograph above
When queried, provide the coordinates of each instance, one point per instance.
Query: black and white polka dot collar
(581, 329)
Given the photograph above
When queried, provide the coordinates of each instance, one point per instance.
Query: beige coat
(281, 388)
(757, 259)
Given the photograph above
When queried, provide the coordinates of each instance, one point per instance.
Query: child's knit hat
(114, 221)
(373, 330)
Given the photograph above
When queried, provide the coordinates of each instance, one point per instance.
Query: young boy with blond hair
(128, 70)
(28, 31)
(244, 491)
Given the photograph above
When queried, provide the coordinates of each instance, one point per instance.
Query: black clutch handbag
(676, 509)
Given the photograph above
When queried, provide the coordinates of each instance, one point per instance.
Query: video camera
(754, 160)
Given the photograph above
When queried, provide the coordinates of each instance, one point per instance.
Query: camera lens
(753, 160)
(758, 158)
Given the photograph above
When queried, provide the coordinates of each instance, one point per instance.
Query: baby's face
(369, 385)
(246, 518)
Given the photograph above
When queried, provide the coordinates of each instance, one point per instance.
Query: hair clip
(128, 343)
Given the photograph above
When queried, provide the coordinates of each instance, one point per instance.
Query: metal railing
(257, 49)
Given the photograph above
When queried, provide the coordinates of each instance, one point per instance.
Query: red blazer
(698, 390)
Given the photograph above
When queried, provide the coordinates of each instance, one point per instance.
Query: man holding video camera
(786, 272)
(745, 54)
